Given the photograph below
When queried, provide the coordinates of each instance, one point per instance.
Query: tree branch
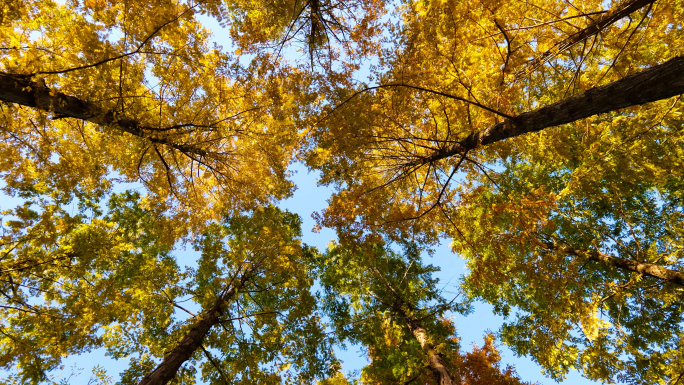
(656, 83)
(643, 268)
(18, 89)
(608, 18)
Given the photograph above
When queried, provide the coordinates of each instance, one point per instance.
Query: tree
(138, 95)
(264, 287)
(391, 305)
(110, 281)
(86, 275)
(494, 125)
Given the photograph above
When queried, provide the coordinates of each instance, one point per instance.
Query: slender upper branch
(608, 18)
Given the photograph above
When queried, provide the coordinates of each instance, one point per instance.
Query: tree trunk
(643, 268)
(192, 341)
(659, 82)
(19, 89)
(435, 360)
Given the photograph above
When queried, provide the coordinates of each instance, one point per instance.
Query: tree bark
(19, 89)
(608, 18)
(643, 268)
(435, 360)
(192, 341)
(659, 82)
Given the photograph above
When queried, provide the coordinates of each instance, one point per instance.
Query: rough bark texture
(643, 268)
(435, 360)
(192, 341)
(608, 18)
(19, 89)
(659, 82)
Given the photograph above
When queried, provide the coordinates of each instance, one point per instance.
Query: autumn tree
(96, 93)
(246, 314)
(91, 277)
(258, 312)
(390, 304)
(543, 138)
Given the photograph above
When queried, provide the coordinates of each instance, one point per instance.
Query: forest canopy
(543, 139)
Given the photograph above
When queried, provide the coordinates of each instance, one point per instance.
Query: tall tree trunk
(659, 82)
(435, 360)
(643, 268)
(192, 341)
(19, 89)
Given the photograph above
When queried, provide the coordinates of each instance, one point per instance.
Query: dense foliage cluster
(544, 138)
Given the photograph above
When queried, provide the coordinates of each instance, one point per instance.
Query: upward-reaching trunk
(643, 268)
(659, 82)
(22, 90)
(435, 361)
(192, 341)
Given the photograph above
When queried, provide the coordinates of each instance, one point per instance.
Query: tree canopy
(543, 138)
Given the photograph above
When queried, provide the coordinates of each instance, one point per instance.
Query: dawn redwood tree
(99, 279)
(258, 311)
(390, 304)
(539, 138)
(97, 93)
(74, 280)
